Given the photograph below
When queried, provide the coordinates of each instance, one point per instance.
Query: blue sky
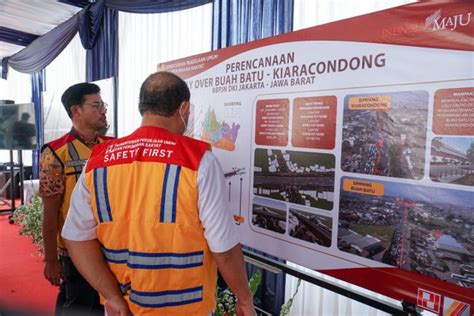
(422, 193)
(460, 143)
(269, 202)
(429, 194)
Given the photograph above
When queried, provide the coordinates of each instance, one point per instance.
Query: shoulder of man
(104, 138)
(98, 151)
(193, 150)
(59, 142)
(103, 142)
(195, 142)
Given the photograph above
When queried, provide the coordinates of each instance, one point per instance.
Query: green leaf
(226, 300)
(255, 281)
(30, 218)
(285, 309)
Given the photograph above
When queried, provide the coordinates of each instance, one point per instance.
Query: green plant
(30, 218)
(226, 300)
(285, 309)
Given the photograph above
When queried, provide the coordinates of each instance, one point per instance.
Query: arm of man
(79, 234)
(51, 191)
(53, 271)
(89, 261)
(220, 232)
(231, 266)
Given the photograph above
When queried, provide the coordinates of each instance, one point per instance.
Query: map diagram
(222, 135)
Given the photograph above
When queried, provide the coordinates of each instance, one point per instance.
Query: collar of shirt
(79, 136)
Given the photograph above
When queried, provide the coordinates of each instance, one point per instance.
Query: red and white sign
(429, 300)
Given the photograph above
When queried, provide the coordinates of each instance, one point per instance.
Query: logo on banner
(451, 307)
(429, 300)
(437, 22)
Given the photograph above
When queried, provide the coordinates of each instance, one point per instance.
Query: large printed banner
(349, 148)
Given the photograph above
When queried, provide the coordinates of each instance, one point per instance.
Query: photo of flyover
(452, 160)
(269, 215)
(388, 142)
(310, 227)
(423, 229)
(297, 177)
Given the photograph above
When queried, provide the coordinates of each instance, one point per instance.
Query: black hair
(25, 116)
(162, 93)
(74, 95)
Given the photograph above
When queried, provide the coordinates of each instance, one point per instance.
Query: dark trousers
(76, 296)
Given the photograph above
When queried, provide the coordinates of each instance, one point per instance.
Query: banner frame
(407, 308)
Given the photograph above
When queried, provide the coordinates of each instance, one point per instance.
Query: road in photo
(385, 134)
(310, 227)
(296, 177)
(417, 228)
(452, 160)
(269, 214)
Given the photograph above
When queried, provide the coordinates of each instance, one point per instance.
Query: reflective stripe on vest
(146, 260)
(143, 260)
(101, 195)
(115, 255)
(75, 157)
(166, 298)
(169, 194)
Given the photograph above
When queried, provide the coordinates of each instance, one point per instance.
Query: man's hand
(89, 261)
(117, 306)
(231, 266)
(53, 271)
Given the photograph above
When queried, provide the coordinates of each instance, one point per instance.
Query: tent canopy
(22, 21)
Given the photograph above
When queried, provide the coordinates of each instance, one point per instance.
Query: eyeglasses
(99, 106)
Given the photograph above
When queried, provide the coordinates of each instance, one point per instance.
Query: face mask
(188, 128)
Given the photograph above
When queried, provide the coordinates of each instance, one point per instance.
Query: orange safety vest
(143, 191)
(72, 153)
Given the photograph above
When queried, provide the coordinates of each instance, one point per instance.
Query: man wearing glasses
(61, 164)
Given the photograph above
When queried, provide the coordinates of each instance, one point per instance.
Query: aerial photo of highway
(296, 177)
(423, 229)
(388, 142)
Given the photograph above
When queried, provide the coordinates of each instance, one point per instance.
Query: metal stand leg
(12, 187)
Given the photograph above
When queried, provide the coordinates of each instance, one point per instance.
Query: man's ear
(185, 107)
(74, 110)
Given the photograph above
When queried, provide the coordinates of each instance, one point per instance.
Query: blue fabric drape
(102, 58)
(237, 22)
(38, 85)
(99, 30)
(241, 21)
(153, 6)
(4, 68)
(90, 22)
(42, 51)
